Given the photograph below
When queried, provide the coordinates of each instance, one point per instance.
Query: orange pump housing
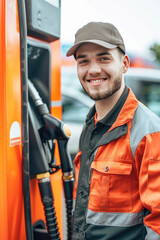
(12, 219)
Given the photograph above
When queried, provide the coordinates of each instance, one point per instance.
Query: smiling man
(117, 168)
(100, 73)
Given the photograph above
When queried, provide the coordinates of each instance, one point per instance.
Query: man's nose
(94, 68)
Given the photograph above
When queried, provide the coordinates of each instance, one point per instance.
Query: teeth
(97, 81)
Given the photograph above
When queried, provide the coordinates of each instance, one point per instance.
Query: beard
(102, 93)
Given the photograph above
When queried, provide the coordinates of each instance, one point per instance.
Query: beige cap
(103, 34)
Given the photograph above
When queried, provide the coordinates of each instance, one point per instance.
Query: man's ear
(126, 63)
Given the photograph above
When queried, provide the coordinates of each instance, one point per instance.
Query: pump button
(66, 131)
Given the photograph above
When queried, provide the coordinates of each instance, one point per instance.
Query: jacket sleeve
(147, 159)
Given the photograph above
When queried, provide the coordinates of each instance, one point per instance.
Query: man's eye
(104, 59)
(82, 61)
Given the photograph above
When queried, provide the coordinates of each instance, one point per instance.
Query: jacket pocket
(110, 188)
(153, 193)
(76, 161)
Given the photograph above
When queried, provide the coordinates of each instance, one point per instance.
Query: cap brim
(73, 49)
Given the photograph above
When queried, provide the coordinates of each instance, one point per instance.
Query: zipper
(90, 170)
(89, 179)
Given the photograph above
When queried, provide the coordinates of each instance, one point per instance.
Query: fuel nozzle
(54, 128)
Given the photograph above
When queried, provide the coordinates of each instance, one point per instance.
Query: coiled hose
(48, 203)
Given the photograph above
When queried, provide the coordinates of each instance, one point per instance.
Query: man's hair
(120, 52)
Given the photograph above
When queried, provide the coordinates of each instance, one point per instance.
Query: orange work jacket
(123, 177)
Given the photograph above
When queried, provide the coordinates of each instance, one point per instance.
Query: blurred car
(145, 84)
(75, 107)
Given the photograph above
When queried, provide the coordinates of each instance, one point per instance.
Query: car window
(148, 92)
(151, 96)
(73, 110)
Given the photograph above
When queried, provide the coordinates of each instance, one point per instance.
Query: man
(117, 179)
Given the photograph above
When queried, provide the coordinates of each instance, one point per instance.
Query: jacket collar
(127, 111)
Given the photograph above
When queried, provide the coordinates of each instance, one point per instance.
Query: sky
(137, 20)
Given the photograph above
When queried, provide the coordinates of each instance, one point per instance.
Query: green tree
(156, 50)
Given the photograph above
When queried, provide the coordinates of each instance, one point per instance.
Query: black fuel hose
(46, 193)
(25, 130)
(68, 182)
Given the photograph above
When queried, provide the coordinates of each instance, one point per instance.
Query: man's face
(99, 70)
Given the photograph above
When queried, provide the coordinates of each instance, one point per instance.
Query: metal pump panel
(43, 19)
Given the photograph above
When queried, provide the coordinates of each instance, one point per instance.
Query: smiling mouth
(96, 81)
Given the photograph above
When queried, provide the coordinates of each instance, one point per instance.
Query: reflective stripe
(151, 234)
(114, 219)
(56, 103)
(144, 122)
(74, 203)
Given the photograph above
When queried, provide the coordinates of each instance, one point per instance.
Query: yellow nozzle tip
(43, 175)
(66, 130)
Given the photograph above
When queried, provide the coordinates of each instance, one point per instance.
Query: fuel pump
(34, 163)
(44, 130)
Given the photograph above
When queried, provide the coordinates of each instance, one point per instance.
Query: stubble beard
(96, 96)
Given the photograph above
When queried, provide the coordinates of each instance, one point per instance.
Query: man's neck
(103, 107)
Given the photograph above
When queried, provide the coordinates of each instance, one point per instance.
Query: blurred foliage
(156, 50)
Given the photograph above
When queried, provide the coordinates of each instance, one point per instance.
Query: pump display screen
(43, 19)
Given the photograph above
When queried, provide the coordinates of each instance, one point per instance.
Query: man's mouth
(96, 80)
